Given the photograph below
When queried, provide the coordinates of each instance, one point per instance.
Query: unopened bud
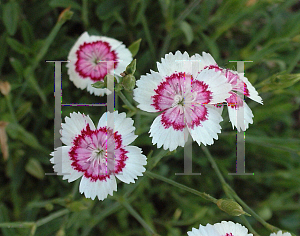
(129, 82)
(231, 207)
(130, 69)
(4, 87)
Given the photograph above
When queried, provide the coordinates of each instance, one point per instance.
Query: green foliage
(266, 32)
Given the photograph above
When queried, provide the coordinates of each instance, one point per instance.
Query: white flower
(86, 154)
(88, 57)
(239, 84)
(279, 233)
(184, 96)
(220, 229)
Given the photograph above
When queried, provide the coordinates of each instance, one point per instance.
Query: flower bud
(130, 69)
(4, 87)
(129, 82)
(231, 207)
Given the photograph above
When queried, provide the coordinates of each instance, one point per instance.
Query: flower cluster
(189, 93)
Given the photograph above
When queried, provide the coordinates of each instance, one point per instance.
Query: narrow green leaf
(3, 49)
(16, 131)
(17, 46)
(188, 31)
(134, 47)
(11, 17)
(29, 75)
(23, 110)
(35, 168)
(107, 9)
(27, 32)
(213, 47)
(18, 67)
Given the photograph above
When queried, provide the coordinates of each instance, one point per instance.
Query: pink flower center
(228, 234)
(92, 60)
(183, 101)
(89, 153)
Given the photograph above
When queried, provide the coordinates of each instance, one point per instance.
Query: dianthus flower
(85, 154)
(184, 95)
(225, 228)
(88, 61)
(240, 114)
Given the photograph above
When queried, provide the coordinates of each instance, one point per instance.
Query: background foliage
(266, 32)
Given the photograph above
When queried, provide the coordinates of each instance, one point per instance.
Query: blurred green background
(266, 32)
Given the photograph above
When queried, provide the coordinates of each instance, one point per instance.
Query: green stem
(64, 16)
(214, 164)
(183, 187)
(248, 225)
(232, 194)
(136, 215)
(85, 18)
(248, 209)
(29, 71)
(52, 217)
(127, 103)
(17, 224)
(187, 11)
(154, 160)
(100, 216)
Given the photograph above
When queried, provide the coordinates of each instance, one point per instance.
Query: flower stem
(214, 164)
(136, 215)
(127, 103)
(181, 186)
(84, 13)
(52, 217)
(248, 225)
(34, 225)
(232, 194)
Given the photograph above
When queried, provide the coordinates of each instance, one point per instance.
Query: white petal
(123, 125)
(145, 90)
(168, 138)
(210, 128)
(98, 188)
(203, 61)
(133, 165)
(217, 84)
(229, 227)
(240, 117)
(279, 233)
(62, 164)
(207, 230)
(173, 63)
(252, 91)
(74, 125)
